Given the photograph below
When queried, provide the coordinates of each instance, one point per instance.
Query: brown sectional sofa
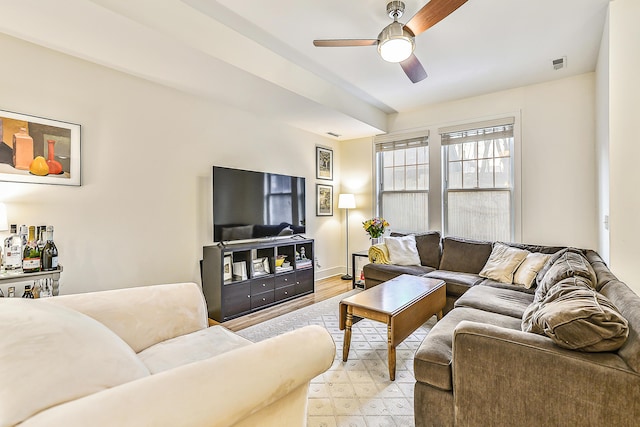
(478, 368)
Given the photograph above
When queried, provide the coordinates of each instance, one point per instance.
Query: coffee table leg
(392, 355)
(347, 333)
(439, 315)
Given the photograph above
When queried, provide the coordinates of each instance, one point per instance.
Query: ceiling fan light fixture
(395, 43)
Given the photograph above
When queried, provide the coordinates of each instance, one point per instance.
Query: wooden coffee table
(403, 303)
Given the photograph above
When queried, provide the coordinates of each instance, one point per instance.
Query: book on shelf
(303, 263)
(284, 269)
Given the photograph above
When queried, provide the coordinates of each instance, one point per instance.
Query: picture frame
(324, 200)
(24, 138)
(261, 267)
(324, 163)
(227, 269)
(240, 270)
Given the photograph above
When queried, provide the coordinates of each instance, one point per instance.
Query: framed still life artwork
(38, 150)
(324, 163)
(324, 200)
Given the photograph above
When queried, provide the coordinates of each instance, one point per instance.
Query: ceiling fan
(396, 41)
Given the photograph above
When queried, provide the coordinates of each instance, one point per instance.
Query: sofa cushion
(193, 347)
(465, 256)
(577, 317)
(402, 250)
(503, 262)
(526, 273)
(432, 361)
(49, 348)
(429, 248)
(569, 264)
(510, 286)
(384, 272)
(457, 283)
(496, 300)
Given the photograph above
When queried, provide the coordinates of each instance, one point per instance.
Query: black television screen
(253, 205)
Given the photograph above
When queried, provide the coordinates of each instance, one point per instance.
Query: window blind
(480, 131)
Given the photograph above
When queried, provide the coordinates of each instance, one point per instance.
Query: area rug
(357, 392)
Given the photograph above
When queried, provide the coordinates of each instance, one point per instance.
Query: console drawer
(262, 284)
(262, 299)
(287, 279)
(236, 299)
(285, 292)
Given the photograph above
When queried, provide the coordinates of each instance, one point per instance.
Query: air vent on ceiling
(560, 63)
(333, 134)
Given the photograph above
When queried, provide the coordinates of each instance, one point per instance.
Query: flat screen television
(253, 205)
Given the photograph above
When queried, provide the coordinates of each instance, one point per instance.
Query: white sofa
(146, 357)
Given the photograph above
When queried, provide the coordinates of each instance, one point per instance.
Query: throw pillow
(577, 317)
(568, 264)
(52, 355)
(502, 263)
(527, 271)
(402, 250)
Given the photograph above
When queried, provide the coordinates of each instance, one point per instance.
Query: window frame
(512, 189)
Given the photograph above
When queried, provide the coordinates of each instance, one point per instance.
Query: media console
(239, 278)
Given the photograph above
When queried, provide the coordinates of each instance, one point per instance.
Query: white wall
(143, 211)
(558, 178)
(624, 86)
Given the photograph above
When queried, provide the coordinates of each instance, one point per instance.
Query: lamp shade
(4, 225)
(346, 201)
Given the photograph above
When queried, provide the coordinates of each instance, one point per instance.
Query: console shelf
(240, 278)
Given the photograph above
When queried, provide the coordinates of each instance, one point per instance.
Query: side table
(355, 272)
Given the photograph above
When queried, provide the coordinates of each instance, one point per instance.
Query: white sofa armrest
(145, 315)
(261, 384)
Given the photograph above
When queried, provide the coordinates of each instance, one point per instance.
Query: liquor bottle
(31, 253)
(13, 250)
(41, 236)
(27, 292)
(12, 292)
(50, 252)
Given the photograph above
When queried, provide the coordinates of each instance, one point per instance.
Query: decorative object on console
(324, 200)
(227, 273)
(30, 136)
(347, 201)
(240, 270)
(324, 163)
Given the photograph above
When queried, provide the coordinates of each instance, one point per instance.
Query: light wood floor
(325, 289)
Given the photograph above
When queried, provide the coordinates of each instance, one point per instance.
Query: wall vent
(560, 63)
(335, 135)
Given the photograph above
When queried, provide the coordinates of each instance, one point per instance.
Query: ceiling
(258, 55)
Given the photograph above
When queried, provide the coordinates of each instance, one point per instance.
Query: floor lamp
(347, 201)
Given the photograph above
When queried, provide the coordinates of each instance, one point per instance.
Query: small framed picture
(226, 269)
(240, 270)
(324, 200)
(324, 163)
(261, 266)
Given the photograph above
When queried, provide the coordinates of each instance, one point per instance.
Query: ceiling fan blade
(345, 42)
(413, 69)
(432, 13)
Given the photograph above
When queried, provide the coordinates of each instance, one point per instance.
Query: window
(402, 178)
(479, 180)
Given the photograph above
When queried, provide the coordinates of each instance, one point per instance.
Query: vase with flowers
(375, 227)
